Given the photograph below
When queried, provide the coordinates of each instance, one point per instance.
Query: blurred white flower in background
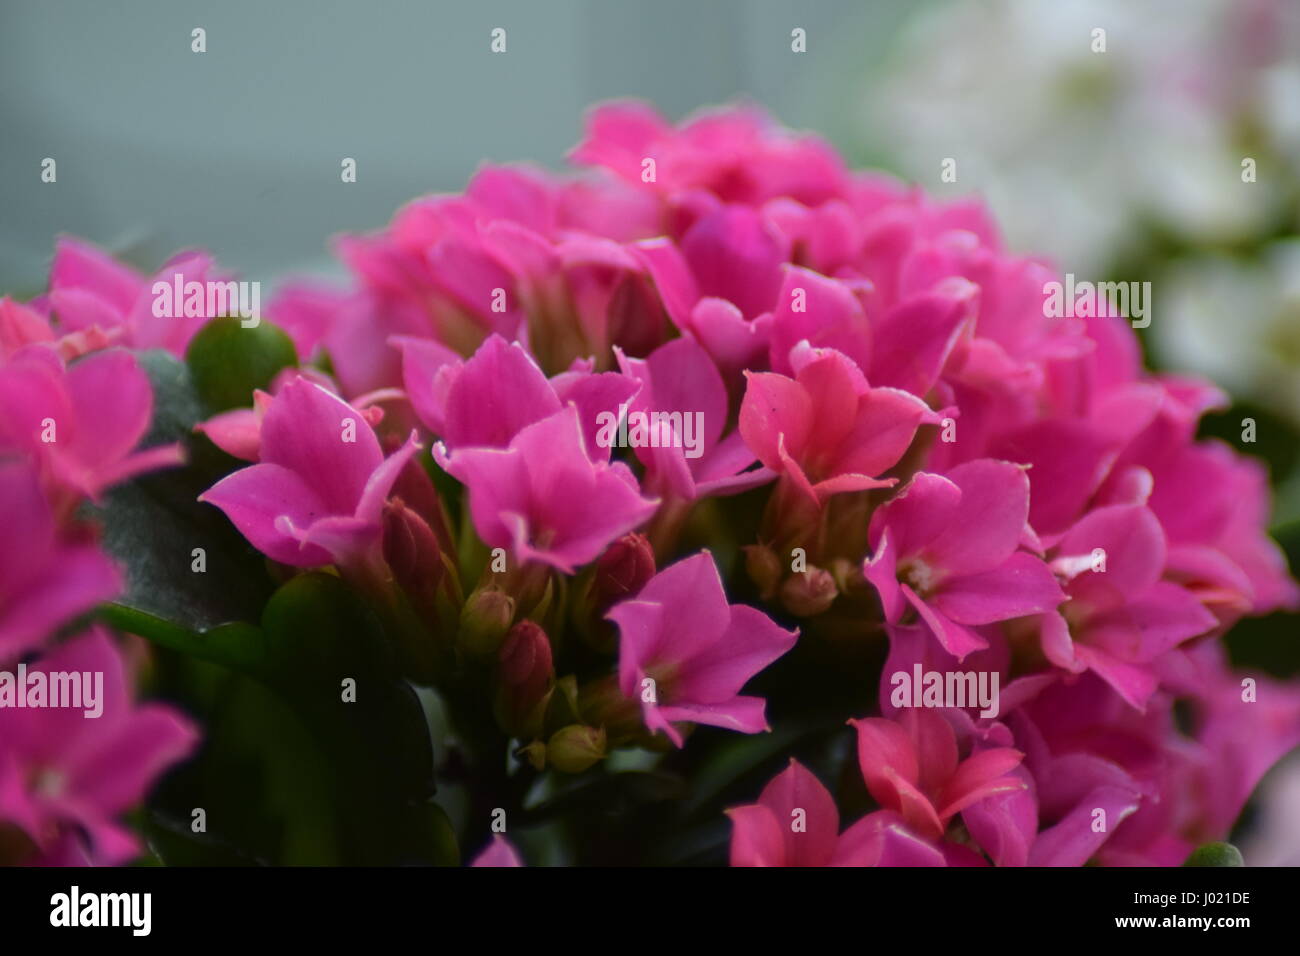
(1149, 133)
(1238, 321)
(1275, 839)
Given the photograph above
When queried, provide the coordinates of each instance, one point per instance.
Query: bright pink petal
(1021, 585)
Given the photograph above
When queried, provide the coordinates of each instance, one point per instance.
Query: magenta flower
(500, 852)
(65, 775)
(685, 653)
(1213, 506)
(317, 494)
(733, 340)
(81, 423)
(911, 766)
(949, 548)
(1240, 739)
(544, 497)
(823, 312)
(44, 581)
(238, 432)
(1121, 616)
(826, 430)
(680, 379)
(486, 400)
(91, 290)
(23, 325)
(1089, 749)
(796, 823)
(737, 155)
(736, 255)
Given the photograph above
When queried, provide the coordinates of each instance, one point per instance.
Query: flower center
(48, 782)
(918, 575)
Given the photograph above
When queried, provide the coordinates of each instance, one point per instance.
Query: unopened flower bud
(411, 550)
(524, 676)
(849, 578)
(535, 754)
(622, 570)
(485, 619)
(764, 569)
(808, 593)
(574, 748)
(603, 704)
(562, 709)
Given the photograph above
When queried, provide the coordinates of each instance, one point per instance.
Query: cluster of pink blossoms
(929, 456)
(73, 408)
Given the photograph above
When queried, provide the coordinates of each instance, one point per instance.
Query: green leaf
(301, 771)
(228, 361)
(154, 524)
(263, 780)
(237, 645)
(322, 639)
(1215, 854)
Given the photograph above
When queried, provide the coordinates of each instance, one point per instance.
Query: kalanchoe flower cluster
(575, 429)
(981, 486)
(71, 425)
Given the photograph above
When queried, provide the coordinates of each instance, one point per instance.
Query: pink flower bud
(623, 570)
(525, 673)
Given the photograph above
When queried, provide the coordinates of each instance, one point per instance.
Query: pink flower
(911, 766)
(734, 254)
(23, 325)
(685, 653)
(544, 497)
(67, 775)
(826, 430)
(81, 423)
(1167, 784)
(1121, 616)
(734, 341)
(500, 852)
(1240, 735)
(486, 400)
(949, 548)
(825, 313)
(44, 581)
(91, 290)
(1213, 506)
(317, 494)
(796, 823)
(309, 312)
(738, 155)
(238, 432)
(679, 378)
(462, 268)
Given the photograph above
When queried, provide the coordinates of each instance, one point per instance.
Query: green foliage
(315, 750)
